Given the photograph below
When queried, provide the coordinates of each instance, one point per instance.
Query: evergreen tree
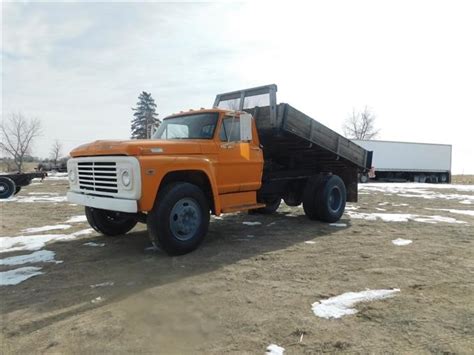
(145, 118)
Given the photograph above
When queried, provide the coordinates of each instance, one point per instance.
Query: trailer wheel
(7, 187)
(310, 196)
(18, 189)
(180, 218)
(270, 207)
(110, 223)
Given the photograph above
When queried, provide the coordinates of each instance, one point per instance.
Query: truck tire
(179, 220)
(270, 207)
(364, 178)
(332, 199)
(325, 198)
(310, 196)
(7, 187)
(109, 223)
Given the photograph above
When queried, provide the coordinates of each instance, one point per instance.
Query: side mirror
(245, 127)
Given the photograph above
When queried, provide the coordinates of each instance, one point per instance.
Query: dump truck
(408, 161)
(247, 153)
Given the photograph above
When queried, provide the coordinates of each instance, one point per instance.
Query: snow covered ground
(426, 191)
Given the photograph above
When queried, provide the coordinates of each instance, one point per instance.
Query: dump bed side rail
(272, 119)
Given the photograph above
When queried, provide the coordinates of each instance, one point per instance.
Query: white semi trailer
(407, 161)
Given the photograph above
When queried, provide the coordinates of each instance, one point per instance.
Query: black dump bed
(292, 138)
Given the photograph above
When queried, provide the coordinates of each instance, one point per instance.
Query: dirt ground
(249, 286)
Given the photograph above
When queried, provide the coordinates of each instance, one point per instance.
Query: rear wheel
(310, 196)
(325, 198)
(364, 178)
(180, 218)
(110, 223)
(7, 187)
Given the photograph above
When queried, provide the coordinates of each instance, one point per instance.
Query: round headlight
(125, 178)
(72, 175)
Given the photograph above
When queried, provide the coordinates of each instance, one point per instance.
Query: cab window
(230, 129)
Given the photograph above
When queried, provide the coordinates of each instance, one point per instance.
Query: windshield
(194, 126)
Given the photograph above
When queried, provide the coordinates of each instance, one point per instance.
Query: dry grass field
(249, 285)
(463, 179)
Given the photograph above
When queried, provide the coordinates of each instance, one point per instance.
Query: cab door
(240, 163)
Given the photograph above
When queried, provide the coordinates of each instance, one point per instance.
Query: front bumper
(105, 203)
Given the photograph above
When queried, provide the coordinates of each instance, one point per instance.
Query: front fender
(155, 168)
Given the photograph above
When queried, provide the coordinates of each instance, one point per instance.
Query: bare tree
(17, 134)
(56, 151)
(360, 125)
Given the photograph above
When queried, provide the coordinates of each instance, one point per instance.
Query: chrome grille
(98, 176)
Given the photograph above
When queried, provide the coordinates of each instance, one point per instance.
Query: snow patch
(35, 198)
(46, 228)
(402, 217)
(310, 242)
(351, 208)
(15, 276)
(36, 242)
(401, 241)
(151, 249)
(94, 244)
(464, 212)
(41, 256)
(97, 300)
(251, 223)
(338, 224)
(274, 349)
(342, 305)
(103, 284)
(422, 190)
(396, 187)
(77, 219)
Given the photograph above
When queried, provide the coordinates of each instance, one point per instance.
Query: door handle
(227, 146)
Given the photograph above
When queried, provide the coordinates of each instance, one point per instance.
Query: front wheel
(110, 223)
(180, 218)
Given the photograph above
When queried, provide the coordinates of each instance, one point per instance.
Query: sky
(79, 67)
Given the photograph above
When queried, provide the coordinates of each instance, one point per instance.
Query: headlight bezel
(72, 175)
(126, 178)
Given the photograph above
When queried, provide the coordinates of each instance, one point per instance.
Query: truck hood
(137, 147)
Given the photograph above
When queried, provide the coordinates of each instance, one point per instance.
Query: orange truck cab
(215, 161)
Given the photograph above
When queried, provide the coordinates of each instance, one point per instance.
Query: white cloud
(80, 66)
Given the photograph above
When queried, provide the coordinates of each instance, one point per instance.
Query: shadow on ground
(66, 289)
